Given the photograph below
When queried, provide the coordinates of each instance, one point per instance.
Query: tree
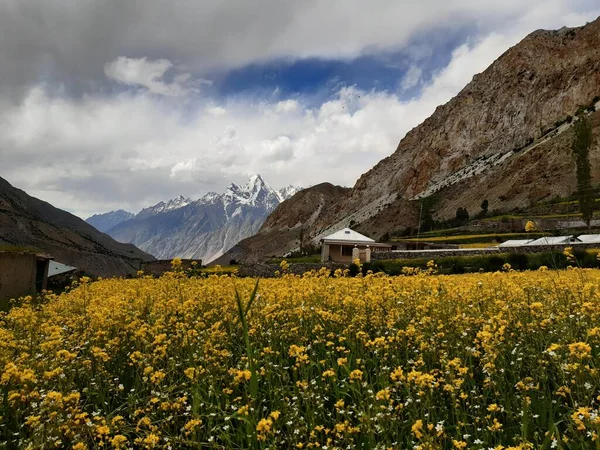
(484, 206)
(582, 141)
(462, 215)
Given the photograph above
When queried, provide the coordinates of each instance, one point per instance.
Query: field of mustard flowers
(500, 360)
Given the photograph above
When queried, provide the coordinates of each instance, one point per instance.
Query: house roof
(56, 268)
(590, 238)
(348, 235)
(515, 242)
(553, 240)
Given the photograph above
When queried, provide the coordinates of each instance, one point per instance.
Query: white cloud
(148, 74)
(411, 78)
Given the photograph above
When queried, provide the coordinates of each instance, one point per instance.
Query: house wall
(335, 253)
(18, 275)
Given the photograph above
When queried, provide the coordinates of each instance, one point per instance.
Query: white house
(347, 245)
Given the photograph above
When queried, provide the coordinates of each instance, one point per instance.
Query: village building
(555, 240)
(345, 246)
(515, 243)
(589, 238)
(22, 273)
(56, 269)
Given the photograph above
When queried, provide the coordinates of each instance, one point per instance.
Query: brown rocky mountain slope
(26, 221)
(505, 137)
(281, 231)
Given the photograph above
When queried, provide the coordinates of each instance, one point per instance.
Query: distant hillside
(205, 228)
(29, 222)
(104, 222)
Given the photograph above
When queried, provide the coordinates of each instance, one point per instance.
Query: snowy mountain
(104, 222)
(205, 228)
(162, 207)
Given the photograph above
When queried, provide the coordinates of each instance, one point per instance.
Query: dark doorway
(40, 274)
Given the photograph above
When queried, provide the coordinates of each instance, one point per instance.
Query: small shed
(554, 240)
(347, 245)
(55, 268)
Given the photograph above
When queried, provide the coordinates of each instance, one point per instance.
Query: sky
(119, 104)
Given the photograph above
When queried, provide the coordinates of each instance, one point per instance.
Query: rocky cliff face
(505, 137)
(488, 127)
(206, 228)
(26, 221)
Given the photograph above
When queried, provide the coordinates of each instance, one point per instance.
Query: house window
(346, 251)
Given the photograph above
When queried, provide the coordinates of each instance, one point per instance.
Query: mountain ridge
(205, 228)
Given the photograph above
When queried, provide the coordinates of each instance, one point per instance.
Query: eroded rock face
(532, 86)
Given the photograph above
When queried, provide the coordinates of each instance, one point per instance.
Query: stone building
(22, 273)
(347, 245)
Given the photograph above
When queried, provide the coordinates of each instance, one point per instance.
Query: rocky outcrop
(26, 221)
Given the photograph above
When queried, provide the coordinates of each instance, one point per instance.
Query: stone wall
(433, 254)
(549, 248)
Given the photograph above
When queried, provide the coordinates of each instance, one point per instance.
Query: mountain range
(27, 222)
(506, 138)
(202, 229)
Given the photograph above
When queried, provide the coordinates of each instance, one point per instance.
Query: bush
(518, 261)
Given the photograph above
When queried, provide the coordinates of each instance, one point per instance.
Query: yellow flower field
(500, 360)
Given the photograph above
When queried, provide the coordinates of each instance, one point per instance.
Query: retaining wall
(433, 254)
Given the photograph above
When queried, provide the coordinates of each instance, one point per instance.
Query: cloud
(91, 148)
(50, 40)
(148, 74)
(411, 78)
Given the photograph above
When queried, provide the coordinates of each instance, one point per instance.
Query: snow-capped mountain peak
(287, 192)
(161, 207)
(209, 226)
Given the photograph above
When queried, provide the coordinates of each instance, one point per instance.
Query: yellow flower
(580, 350)
(356, 375)
(118, 441)
(495, 426)
(417, 429)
